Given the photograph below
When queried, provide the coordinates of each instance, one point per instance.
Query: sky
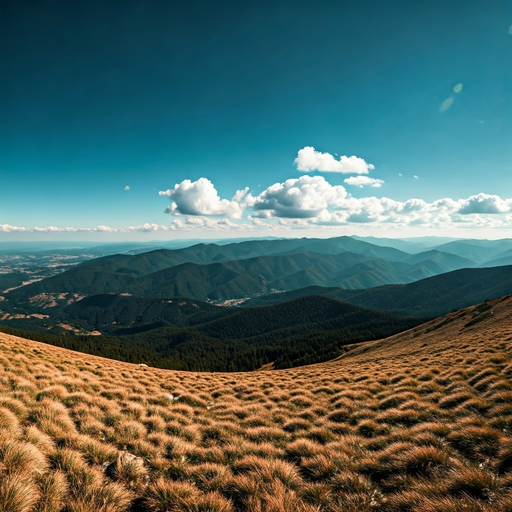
(145, 120)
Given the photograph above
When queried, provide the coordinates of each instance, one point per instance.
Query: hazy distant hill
(478, 251)
(411, 245)
(503, 258)
(445, 260)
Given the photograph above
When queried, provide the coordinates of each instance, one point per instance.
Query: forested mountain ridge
(305, 330)
(429, 297)
(192, 273)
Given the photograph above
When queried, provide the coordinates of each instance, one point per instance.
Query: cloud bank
(307, 202)
(310, 201)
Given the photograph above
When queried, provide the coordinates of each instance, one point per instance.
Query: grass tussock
(17, 495)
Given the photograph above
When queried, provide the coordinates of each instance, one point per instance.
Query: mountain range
(171, 297)
(252, 268)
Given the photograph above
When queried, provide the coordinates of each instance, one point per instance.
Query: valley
(248, 304)
(419, 421)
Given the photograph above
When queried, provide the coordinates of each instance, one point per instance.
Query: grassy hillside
(418, 422)
(13, 279)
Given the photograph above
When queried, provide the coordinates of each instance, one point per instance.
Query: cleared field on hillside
(418, 422)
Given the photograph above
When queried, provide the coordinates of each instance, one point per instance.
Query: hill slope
(417, 422)
(107, 313)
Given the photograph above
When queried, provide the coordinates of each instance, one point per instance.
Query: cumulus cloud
(309, 159)
(485, 204)
(364, 181)
(304, 197)
(201, 198)
(127, 187)
(439, 214)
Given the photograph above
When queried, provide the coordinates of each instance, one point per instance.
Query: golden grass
(419, 422)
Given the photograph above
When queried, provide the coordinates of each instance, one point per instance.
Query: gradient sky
(99, 96)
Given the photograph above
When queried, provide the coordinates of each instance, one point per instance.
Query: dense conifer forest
(303, 331)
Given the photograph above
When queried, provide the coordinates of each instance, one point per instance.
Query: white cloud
(343, 209)
(148, 227)
(243, 197)
(364, 181)
(304, 197)
(309, 203)
(55, 229)
(309, 159)
(7, 228)
(105, 229)
(201, 198)
(205, 223)
(127, 187)
(413, 205)
(485, 204)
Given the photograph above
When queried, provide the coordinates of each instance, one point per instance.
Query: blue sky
(100, 96)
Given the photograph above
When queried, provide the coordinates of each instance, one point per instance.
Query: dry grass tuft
(17, 495)
(54, 491)
(169, 496)
(22, 459)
